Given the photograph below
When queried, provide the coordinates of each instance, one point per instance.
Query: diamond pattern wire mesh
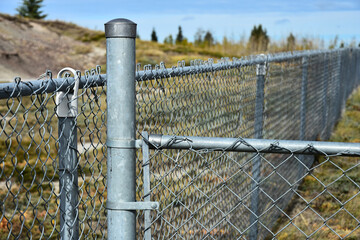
(30, 173)
(203, 194)
(206, 194)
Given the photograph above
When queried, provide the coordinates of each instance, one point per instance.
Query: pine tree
(209, 39)
(259, 40)
(179, 37)
(30, 9)
(153, 36)
(291, 43)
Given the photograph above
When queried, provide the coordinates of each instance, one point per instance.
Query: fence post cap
(120, 28)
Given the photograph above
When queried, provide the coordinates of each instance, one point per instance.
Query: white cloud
(282, 21)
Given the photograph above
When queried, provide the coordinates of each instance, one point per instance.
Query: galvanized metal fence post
(303, 109)
(146, 183)
(120, 46)
(352, 70)
(324, 133)
(66, 110)
(346, 76)
(256, 167)
(342, 80)
(338, 87)
(303, 98)
(354, 67)
(68, 179)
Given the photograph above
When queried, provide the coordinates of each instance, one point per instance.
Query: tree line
(169, 39)
(259, 41)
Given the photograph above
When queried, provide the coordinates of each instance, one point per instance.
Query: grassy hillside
(67, 44)
(56, 44)
(147, 52)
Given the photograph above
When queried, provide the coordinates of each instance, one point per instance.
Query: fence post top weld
(120, 28)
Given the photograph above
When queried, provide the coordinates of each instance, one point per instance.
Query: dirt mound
(29, 47)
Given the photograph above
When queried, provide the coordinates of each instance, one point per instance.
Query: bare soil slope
(29, 47)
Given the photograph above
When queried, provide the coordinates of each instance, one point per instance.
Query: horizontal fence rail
(254, 145)
(27, 88)
(215, 199)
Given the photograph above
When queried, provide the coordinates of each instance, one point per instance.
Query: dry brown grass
(328, 216)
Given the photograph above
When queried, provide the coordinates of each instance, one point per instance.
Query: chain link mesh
(204, 194)
(30, 170)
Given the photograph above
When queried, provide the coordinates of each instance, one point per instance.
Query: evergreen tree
(179, 37)
(209, 39)
(290, 46)
(153, 36)
(259, 40)
(31, 9)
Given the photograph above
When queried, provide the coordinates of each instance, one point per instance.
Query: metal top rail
(26, 88)
(208, 66)
(254, 145)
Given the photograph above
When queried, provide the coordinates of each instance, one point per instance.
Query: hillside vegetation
(28, 47)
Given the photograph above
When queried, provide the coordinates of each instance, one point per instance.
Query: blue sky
(323, 19)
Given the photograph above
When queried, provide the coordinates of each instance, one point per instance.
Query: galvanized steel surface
(120, 127)
(159, 142)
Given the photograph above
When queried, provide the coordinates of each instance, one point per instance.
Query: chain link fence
(39, 185)
(57, 173)
(206, 191)
(213, 193)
